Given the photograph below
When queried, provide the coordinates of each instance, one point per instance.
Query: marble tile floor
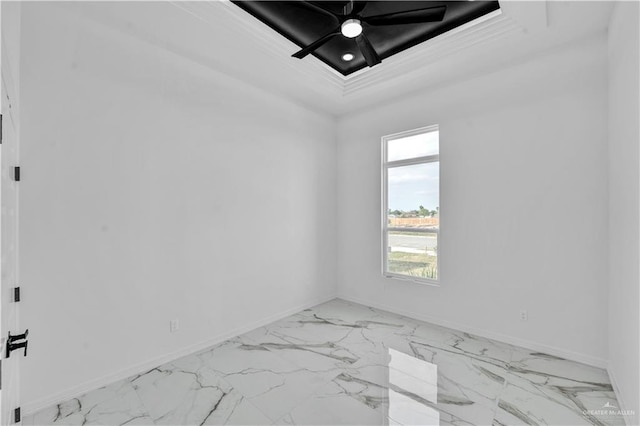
(341, 363)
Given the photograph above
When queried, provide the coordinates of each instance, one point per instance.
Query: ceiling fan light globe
(351, 28)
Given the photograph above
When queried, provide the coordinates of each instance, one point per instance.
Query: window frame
(386, 165)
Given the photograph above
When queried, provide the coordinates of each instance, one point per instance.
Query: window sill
(417, 280)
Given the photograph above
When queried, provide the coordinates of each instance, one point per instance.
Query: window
(411, 204)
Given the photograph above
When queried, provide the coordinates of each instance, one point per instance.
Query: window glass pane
(413, 215)
(412, 253)
(413, 191)
(413, 146)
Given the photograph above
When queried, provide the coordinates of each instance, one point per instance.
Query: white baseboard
(76, 391)
(535, 346)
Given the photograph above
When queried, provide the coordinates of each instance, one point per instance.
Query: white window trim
(385, 205)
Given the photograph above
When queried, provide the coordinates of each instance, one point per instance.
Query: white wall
(624, 214)
(10, 109)
(523, 203)
(155, 189)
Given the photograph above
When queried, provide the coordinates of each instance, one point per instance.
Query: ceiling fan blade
(316, 44)
(369, 53)
(417, 16)
(358, 7)
(320, 7)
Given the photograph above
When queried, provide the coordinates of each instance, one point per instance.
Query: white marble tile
(321, 340)
(187, 392)
(235, 409)
(538, 368)
(525, 403)
(404, 410)
(547, 390)
(458, 342)
(323, 354)
(344, 363)
(333, 322)
(466, 390)
(335, 404)
(343, 312)
(271, 383)
(116, 404)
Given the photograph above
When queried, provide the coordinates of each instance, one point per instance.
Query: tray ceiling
(303, 22)
(225, 42)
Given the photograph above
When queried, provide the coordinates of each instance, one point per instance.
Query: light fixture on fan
(353, 16)
(348, 57)
(351, 28)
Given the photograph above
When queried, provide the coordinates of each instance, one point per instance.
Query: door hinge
(16, 294)
(16, 174)
(16, 415)
(17, 341)
(0, 128)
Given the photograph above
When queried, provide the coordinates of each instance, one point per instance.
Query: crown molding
(240, 22)
(418, 59)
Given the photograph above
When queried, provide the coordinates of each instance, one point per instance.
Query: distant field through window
(411, 204)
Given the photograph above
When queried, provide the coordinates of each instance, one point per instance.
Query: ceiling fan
(350, 25)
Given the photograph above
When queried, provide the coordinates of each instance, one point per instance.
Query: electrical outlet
(174, 325)
(524, 315)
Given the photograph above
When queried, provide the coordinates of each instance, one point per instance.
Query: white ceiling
(222, 37)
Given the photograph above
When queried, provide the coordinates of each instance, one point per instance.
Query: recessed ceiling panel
(305, 22)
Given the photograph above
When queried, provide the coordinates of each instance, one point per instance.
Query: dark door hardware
(16, 415)
(16, 174)
(13, 344)
(16, 294)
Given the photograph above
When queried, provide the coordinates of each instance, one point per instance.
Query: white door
(9, 280)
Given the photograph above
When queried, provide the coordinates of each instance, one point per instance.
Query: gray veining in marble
(344, 363)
